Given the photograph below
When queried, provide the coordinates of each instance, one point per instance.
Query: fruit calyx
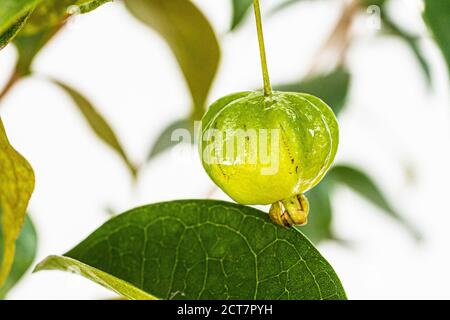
(290, 212)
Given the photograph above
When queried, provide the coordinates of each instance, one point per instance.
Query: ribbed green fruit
(269, 149)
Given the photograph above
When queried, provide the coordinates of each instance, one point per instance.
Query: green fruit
(269, 149)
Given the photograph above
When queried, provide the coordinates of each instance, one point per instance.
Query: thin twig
(340, 38)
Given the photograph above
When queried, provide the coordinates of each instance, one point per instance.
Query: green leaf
(28, 46)
(240, 9)
(9, 34)
(26, 246)
(203, 249)
(104, 279)
(363, 185)
(333, 88)
(320, 216)
(88, 6)
(12, 11)
(191, 38)
(411, 41)
(16, 187)
(97, 123)
(51, 13)
(48, 14)
(437, 17)
(164, 141)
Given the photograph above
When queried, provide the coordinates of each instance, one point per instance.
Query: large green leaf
(203, 249)
(26, 246)
(191, 38)
(240, 9)
(333, 88)
(97, 123)
(16, 187)
(363, 185)
(437, 17)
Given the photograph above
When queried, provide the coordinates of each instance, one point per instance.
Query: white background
(394, 127)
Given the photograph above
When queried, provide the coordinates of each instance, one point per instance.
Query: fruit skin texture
(308, 141)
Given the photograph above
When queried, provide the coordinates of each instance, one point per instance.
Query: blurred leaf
(30, 41)
(203, 249)
(28, 46)
(51, 13)
(16, 187)
(437, 17)
(411, 41)
(333, 88)
(191, 38)
(9, 34)
(44, 24)
(320, 217)
(164, 141)
(283, 5)
(379, 3)
(90, 5)
(97, 123)
(11, 11)
(26, 246)
(240, 9)
(48, 14)
(363, 185)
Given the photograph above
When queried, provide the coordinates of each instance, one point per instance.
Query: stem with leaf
(262, 49)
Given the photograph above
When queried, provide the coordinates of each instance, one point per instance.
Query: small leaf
(320, 216)
(164, 141)
(51, 13)
(363, 185)
(97, 123)
(47, 14)
(9, 34)
(88, 6)
(26, 246)
(437, 17)
(240, 9)
(411, 41)
(12, 11)
(333, 88)
(16, 187)
(28, 46)
(203, 249)
(191, 38)
(104, 279)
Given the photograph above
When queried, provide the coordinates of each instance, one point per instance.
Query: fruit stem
(262, 49)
